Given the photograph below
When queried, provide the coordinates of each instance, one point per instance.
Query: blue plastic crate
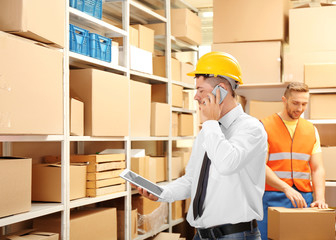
(91, 7)
(100, 47)
(79, 40)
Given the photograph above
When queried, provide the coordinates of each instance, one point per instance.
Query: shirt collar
(231, 116)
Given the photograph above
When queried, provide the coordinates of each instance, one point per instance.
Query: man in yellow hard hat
(225, 176)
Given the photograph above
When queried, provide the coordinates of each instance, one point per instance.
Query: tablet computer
(139, 181)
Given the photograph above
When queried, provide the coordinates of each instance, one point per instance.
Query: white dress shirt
(237, 150)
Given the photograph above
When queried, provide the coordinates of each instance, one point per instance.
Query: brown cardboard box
(320, 75)
(312, 29)
(294, 62)
(260, 61)
(166, 236)
(243, 21)
(133, 37)
(160, 117)
(144, 166)
(175, 124)
(140, 60)
(34, 94)
(185, 124)
(242, 101)
(260, 110)
(187, 68)
(76, 117)
(144, 205)
(186, 100)
(159, 67)
(185, 25)
(177, 167)
(159, 28)
(140, 109)
(159, 93)
(146, 37)
(329, 162)
(85, 224)
(185, 155)
(320, 106)
(15, 185)
(46, 184)
(95, 192)
(106, 101)
(161, 169)
(121, 224)
(327, 134)
(31, 235)
(34, 19)
(177, 96)
(177, 210)
(314, 223)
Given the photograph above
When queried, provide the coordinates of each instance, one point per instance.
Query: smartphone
(222, 91)
(137, 180)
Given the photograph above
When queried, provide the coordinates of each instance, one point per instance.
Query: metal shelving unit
(124, 12)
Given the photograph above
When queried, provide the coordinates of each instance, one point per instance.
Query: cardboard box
(105, 114)
(140, 109)
(144, 205)
(185, 155)
(312, 29)
(160, 118)
(185, 124)
(177, 167)
(115, 53)
(319, 106)
(84, 224)
(314, 223)
(133, 37)
(246, 21)
(327, 134)
(161, 169)
(140, 60)
(294, 63)
(330, 196)
(166, 236)
(187, 68)
(175, 124)
(242, 101)
(15, 185)
(158, 28)
(320, 75)
(159, 93)
(159, 67)
(121, 224)
(186, 57)
(95, 192)
(255, 58)
(34, 94)
(76, 117)
(261, 110)
(146, 37)
(186, 26)
(34, 19)
(47, 182)
(31, 235)
(145, 167)
(329, 162)
(177, 96)
(177, 210)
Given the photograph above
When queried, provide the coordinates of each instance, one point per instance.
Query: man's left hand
(319, 204)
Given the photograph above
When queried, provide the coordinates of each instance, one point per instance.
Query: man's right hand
(295, 197)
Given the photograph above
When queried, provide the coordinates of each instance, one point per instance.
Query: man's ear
(223, 85)
(284, 99)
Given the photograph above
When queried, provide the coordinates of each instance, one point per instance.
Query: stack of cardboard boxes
(254, 33)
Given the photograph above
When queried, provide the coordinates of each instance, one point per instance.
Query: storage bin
(79, 40)
(100, 47)
(91, 7)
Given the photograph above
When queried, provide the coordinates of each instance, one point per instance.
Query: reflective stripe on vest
(287, 155)
(296, 175)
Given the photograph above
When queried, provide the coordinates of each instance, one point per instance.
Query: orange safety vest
(289, 157)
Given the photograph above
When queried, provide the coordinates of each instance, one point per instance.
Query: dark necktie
(201, 187)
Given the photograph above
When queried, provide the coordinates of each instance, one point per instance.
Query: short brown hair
(296, 87)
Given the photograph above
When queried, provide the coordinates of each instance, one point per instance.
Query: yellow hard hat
(218, 64)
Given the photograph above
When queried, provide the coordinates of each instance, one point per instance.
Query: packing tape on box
(152, 222)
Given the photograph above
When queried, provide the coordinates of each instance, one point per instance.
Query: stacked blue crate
(79, 40)
(91, 7)
(100, 47)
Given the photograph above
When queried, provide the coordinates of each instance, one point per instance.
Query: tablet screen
(144, 183)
